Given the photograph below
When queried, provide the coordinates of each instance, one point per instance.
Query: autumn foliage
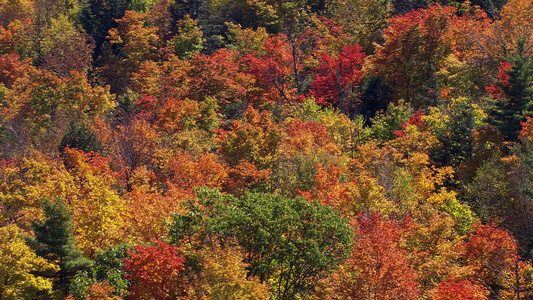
(378, 267)
(154, 272)
(260, 149)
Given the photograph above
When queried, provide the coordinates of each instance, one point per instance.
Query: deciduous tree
(288, 242)
(378, 267)
(413, 51)
(338, 78)
(155, 272)
(21, 270)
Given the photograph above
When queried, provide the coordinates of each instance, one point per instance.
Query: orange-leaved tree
(378, 267)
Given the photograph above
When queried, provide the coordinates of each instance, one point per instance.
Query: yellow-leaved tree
(98, 213)
(24, 184)
(18, 266)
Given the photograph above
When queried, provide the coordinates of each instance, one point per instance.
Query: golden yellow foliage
(223, 277)
(23, 186)
(18, 264)
(98, 212)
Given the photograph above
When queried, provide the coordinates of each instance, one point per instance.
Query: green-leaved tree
(516, 84)
(287, 242)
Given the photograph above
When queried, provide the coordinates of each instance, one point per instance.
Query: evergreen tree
(209, 19)
(55, 241)
(456, 137)
(98, 16)
(516, 85)
(79, 136)
(189, 38)
(107, 267)
(375, 96)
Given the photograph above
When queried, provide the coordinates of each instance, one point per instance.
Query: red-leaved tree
(155, 272)
(460, 289)
(338, 77)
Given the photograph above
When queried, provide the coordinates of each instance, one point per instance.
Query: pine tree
(456, 137)
(80, 136)
(55, 241)
(98, 16)
(516, 84)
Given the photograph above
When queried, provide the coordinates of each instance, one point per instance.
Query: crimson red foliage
(154, 272)
(338, 76)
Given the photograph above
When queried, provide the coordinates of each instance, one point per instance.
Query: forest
(266, 149)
